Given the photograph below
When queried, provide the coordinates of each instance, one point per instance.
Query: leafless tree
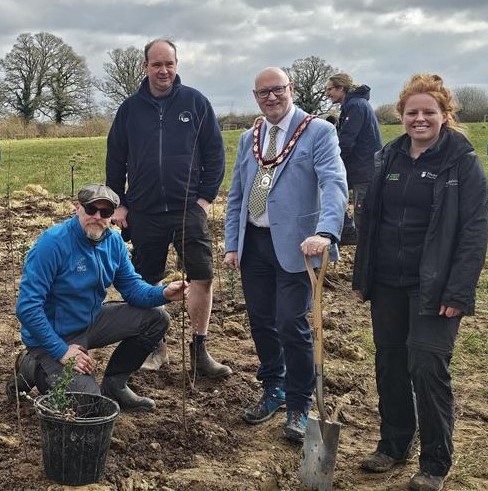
(22, 83)
(42, 75)
(310, 76)
(386, 114)
(473, 103)
(68, 83)
(3, 98)
(123, 74)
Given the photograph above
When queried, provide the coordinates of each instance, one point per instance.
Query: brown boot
(157, 358)
(423, 481)
(205, 364)
(379, 462)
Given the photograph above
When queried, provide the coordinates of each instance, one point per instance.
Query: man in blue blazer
(287, 199)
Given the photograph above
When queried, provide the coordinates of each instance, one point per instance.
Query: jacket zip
(99, 274)
(161, 115)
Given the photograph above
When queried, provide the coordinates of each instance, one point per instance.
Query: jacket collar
(146, 93)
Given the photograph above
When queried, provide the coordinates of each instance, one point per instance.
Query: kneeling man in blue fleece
(62, 311)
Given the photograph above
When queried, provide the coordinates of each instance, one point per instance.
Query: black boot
(25, 368)
(204, 363)
(125, 360)
(115, 387)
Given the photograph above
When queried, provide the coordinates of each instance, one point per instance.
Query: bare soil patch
(208, 446)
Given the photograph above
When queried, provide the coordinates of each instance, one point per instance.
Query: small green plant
(59, 398)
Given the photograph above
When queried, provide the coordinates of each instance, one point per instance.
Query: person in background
(165, 144)
(421, 249)
(287, 198)
(359, 139)
(62, 311)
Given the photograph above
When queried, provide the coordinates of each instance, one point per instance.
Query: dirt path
(218, 451)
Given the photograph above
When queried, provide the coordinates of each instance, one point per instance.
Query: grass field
(57, 164)
(51, 163)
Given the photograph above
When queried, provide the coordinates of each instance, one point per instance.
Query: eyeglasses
(92, 210)
(277, 91)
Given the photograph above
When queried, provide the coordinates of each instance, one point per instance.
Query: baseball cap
(93, 192)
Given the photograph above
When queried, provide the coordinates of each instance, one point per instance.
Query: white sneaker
(157, 358)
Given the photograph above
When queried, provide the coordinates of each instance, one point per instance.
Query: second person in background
(165, 144)
(359, 139)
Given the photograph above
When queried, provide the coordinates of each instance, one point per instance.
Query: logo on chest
(393, 177)
(428, 175)
(81, 265)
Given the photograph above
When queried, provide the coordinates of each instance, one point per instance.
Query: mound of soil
(196, 439)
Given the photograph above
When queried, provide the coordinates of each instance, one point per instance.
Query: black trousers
(277, 304)
(413, 353)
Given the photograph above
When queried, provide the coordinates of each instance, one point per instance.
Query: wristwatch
(327, 236)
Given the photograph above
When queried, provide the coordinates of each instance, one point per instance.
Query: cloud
(223, 44)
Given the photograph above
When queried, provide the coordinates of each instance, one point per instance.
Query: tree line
(43, 78)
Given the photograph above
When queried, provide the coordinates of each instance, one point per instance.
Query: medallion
(266, 181)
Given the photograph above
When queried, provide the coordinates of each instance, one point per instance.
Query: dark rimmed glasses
(92, 210)
(277, 91)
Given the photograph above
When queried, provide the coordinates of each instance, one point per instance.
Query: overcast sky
(224, 43)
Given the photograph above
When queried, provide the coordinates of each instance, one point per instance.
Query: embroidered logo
(452, 182)
(185, 117)
(81, 265)
(393, 177)
(428, 175)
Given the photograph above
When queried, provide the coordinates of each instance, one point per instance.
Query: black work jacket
(455, 242)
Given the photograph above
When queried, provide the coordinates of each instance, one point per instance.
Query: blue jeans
(277, 304)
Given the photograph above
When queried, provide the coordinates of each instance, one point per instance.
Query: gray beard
(96, 239)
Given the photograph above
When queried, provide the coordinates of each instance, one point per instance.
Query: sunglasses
(92, 210)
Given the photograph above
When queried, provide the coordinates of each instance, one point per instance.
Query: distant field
(51, 163)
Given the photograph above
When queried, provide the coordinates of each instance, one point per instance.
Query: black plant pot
(74, 448)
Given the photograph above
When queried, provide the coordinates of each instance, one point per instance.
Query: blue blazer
(309, 193)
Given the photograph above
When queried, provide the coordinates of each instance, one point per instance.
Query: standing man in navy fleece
(166, 146)
(359, 139)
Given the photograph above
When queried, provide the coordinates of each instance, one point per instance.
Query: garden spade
(319, 451)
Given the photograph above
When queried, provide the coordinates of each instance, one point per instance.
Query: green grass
(390, 131)
(50, 162)
(231, 140)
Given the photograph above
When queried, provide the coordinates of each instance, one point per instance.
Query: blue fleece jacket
(65, 281)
